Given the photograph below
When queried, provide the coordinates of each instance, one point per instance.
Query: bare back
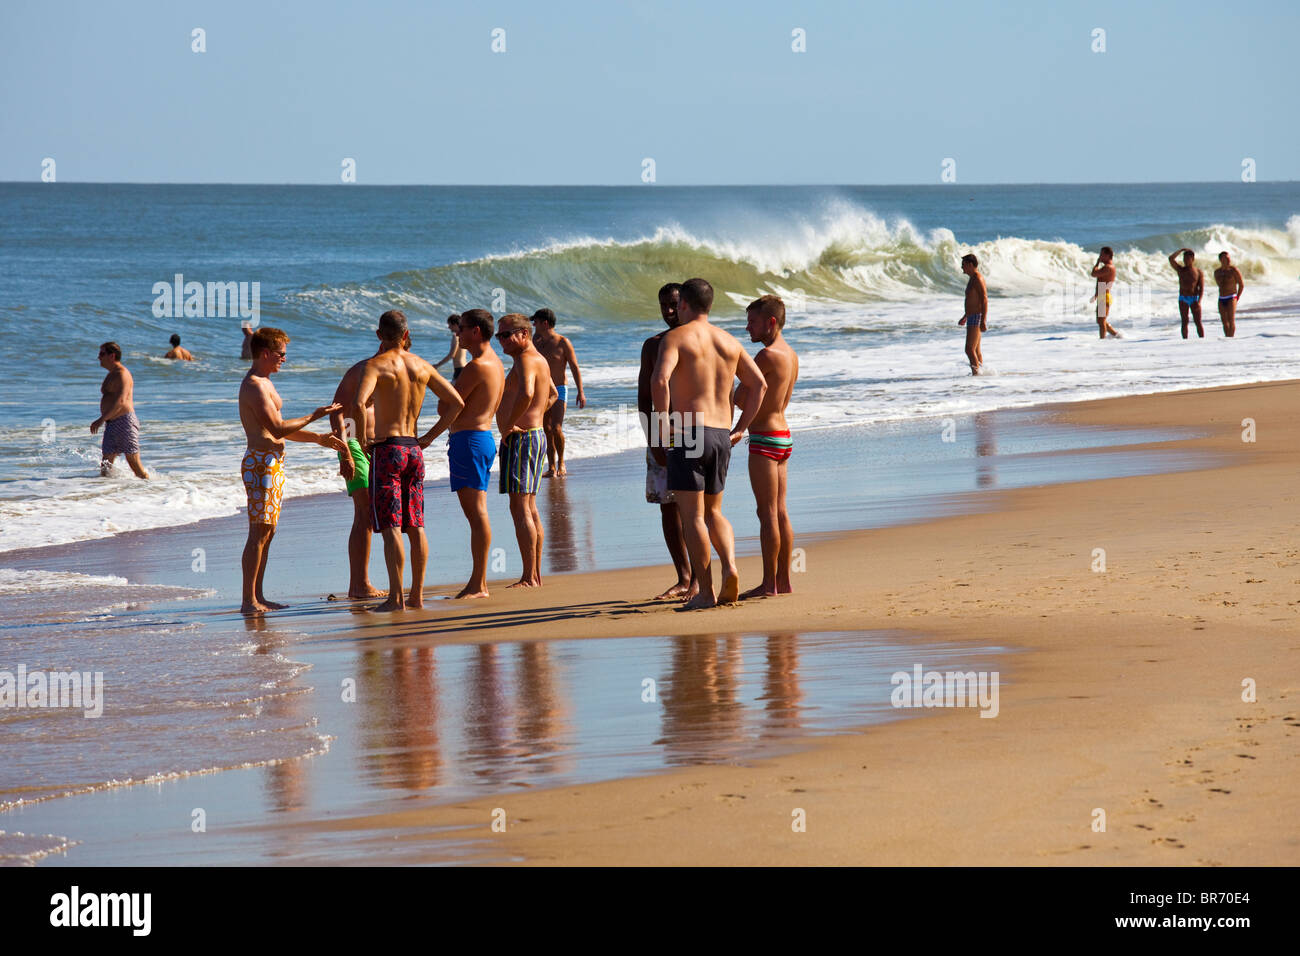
(705, 359)
(481, 385)
(363, 432)
(780, 366)
(395, 381)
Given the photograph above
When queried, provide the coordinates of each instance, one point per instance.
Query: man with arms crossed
(1104, 273)
(528, 393)
(262, 468)
(471, 448)
(1231, 286)
(769, 442)
(656, 460)
(977, 307)
(395, 381)
(698, 362)
(1191, 286)
(354, 466)
(558, 352)
(117, 413)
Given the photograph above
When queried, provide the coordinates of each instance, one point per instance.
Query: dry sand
(1127, 696)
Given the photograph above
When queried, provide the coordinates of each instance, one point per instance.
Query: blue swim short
(564, 394)
(1188, 299)
(470, 454)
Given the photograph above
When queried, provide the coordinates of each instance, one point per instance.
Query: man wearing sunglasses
(262, 467)
(117, 413)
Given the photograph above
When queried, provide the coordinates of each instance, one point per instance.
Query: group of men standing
(689, 370)
(374, 418)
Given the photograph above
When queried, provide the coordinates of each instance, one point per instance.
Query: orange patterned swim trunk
(263, 474)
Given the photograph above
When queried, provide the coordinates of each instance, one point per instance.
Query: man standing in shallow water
(559, 355)
(1231, 286)
(977, 307)
(117, 413)
(770, 444)
(1104, 273)
(1191, 286)
(262, 468)
(395, 380)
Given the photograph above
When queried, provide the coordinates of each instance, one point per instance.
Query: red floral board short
(397, 484)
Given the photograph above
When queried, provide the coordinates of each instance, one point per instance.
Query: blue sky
(712, 92)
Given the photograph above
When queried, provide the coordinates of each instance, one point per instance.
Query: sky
(586, 93)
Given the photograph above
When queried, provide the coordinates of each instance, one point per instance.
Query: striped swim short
(522, 456)
(775, 445)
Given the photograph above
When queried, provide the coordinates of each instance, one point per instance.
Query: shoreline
(603, 822)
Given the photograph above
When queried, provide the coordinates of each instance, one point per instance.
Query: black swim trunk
(703, 466)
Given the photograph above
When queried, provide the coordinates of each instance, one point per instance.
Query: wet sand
(1126, 694)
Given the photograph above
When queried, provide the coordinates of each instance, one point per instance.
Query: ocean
(870, 275)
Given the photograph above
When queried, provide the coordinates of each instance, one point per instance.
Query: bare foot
(522, 583)
(549, 473)
(468, 594)
(677, 590)
(369, 592)
(729, 593)
(562, 472)
(698, 602)
(252, 610)
(387, 606)
(760, 591)
(273, 606)
(415, 602)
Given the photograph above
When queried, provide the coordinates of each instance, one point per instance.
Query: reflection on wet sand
(781, 693)
(560, 523)
(398, 694)
(986, 451)
(548, 713)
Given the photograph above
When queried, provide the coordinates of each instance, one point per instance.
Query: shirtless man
(354, 466)
(177, 352)
(1191, 286)
(471, 448)
(528, 393)
(1231, 286)
(977, 309)
(263, 465)
(698, 362)
(769, 442)
(558, 352)
(117, 413)
(1104, 273)
(656, 460)
(395, 380)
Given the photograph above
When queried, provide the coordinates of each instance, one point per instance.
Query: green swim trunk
(361, 480)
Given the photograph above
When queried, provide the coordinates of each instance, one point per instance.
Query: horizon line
(754, 185)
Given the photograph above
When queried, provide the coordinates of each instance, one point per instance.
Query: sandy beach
(1129, 697)
(1122, 688)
